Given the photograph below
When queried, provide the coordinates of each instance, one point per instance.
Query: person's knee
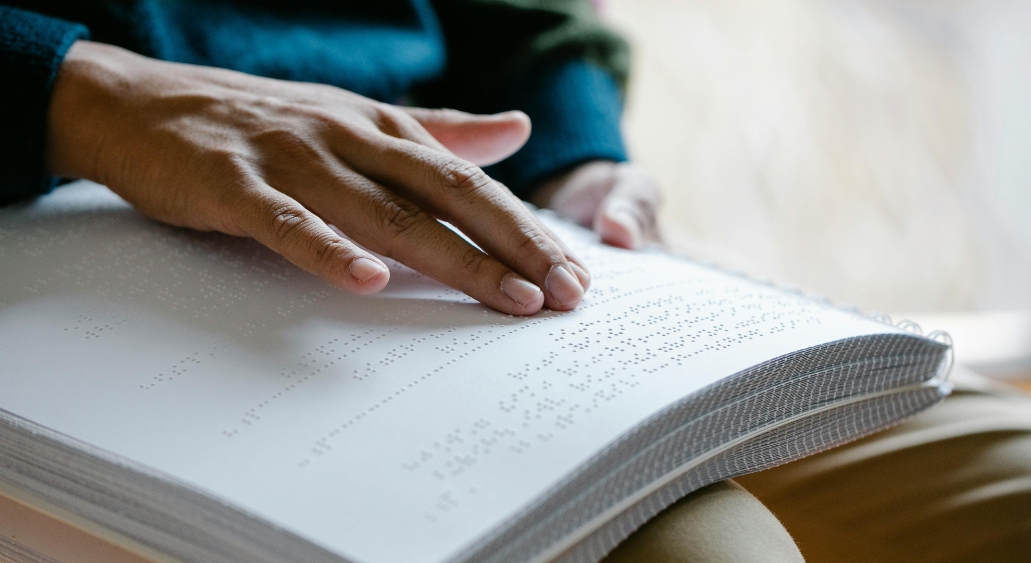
(719, 523)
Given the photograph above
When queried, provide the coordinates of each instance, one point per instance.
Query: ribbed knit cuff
(575, 107)
(32, 48)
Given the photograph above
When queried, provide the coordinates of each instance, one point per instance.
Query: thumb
(480, 139)
(627, 216)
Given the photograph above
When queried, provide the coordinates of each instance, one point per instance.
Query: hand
(618, 200)
(278, 161)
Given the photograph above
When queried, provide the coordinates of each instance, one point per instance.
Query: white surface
(871, 150)
(354, 421)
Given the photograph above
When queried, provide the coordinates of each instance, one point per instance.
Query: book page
(355, 421)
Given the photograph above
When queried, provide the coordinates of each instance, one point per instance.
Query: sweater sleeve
(32, 48)
(553, 60)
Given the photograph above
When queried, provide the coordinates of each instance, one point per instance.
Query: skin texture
(322, 176)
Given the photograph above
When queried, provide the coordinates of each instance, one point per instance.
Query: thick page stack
(197, 398)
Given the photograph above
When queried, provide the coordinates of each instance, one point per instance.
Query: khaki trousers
(951, 484)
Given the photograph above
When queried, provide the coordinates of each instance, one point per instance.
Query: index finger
(461, 193)
(382, 221)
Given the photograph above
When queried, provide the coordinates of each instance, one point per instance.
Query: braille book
(194, 397)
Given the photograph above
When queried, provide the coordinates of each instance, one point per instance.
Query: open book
(195, 397)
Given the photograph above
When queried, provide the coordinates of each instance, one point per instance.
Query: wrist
(84, 89)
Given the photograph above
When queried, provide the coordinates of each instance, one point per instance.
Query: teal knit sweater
(548, 58)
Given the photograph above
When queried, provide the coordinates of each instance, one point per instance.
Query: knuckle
(328, 252)
(281, 136)
(296, 228)
(393, 120)
(287, 221)
(292, 141)
(533, 241)
(323, 120)
(464, 179)
(400, 218)
(473, 262)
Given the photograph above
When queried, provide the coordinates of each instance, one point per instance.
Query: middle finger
(486, 211)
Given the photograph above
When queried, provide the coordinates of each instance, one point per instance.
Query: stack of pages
(194, 397)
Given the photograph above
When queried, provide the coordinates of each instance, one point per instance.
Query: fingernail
(563, 287)
(519, 290)
(362, 269)
(581, 274)
(507, 114)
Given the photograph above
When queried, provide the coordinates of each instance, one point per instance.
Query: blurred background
(874, 151)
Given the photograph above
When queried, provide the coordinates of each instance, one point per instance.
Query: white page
(355, 421)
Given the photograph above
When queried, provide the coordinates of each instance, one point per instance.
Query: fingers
(577, 265)
(286, 227)
(626, 217)
(487, 212)
(480, 139)
(619, 201)
(388, 224)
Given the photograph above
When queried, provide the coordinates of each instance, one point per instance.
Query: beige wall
(871, 150)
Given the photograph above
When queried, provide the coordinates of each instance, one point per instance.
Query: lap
(718, 523)
(951, 484)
